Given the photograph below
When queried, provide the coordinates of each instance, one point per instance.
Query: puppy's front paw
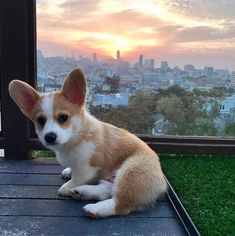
(67, 173)
(63, 191)
(80, 193)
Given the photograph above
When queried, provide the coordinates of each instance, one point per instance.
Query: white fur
(92, 119)
(47, 105)
(67, 173)
(101, 191)
(86, 149)
(100, 209)
(74, 157)
(64, 135)
(78, 159)
(82, 166)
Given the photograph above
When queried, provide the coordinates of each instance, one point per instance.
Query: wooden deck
(29, 205)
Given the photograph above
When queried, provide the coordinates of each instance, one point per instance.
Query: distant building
(47, 88)
(146, 63)
(151, 64)
(226, 116)
(118, 56)
(118, 99)
(227, 104)
(222, 74)
(209, 71)
(176, 71)
(106, 88)
(141, 60)
(159, 127)
(150, 77)
(94, 57)
(98, 99)
(164, 66)
(40, 56)
(189, 68)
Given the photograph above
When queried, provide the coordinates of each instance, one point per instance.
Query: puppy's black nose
(50, 137)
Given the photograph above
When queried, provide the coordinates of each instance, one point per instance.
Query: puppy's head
(57, 116)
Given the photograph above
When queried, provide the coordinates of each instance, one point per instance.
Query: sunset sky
(199, 32)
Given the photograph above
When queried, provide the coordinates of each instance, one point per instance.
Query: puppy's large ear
(74, 88)
(23, 95)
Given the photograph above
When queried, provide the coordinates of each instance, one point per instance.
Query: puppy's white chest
(78, 155)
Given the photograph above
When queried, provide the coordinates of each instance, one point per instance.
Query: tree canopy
(185, 112)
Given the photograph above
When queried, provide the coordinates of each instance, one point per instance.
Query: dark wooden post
(17, 61)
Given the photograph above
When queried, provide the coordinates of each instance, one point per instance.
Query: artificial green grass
(206, 187)
(43, 153)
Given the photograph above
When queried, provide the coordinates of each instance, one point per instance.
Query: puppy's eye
(41, 120)
(62, 118)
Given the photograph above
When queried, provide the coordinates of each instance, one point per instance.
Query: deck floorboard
(29, 205)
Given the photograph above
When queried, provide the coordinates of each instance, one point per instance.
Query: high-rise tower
(94, 57)
(118, 56)
(141, 60)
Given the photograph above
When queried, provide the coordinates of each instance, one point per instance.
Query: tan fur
(139, 178)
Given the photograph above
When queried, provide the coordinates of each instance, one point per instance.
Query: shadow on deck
(29, 205)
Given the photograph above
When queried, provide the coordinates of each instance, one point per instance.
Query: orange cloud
(154, 28)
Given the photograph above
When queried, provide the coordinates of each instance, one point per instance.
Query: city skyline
(180, 32)
(140, 60)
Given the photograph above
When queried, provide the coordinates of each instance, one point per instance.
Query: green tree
(230, 129)
(114, 83)
(143, 101)
(173, 90)
(137, 117)
(100, 112)
(172, 108)
(127, 117)
(205, 126)
(185, 112)
(189, 113)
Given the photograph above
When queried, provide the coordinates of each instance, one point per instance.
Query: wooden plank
(60, 226)
(25, 168)
(35, 180)
(28, 207)
(35, 192)
(29, 192)
(44, 161)
(29, 179)
(35, 161)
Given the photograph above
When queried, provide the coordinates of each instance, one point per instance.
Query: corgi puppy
(92, 150)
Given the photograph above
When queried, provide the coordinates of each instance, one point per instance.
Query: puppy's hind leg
(101, 209)
(139, 182)
(106, 207)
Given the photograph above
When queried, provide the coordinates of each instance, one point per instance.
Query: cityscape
(112, 83)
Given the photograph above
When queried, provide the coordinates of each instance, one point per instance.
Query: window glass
(162, 67)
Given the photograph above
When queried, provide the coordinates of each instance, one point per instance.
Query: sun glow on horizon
(166, 27)
(106, 43)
